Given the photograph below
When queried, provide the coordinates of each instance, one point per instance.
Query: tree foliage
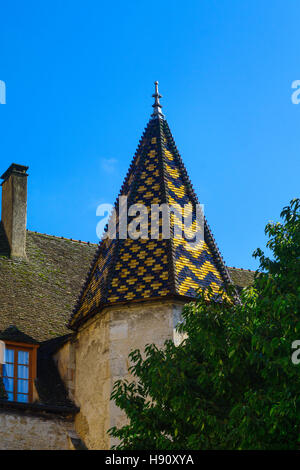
(231, 384)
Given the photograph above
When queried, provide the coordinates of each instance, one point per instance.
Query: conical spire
(127, 269)
(157, 106)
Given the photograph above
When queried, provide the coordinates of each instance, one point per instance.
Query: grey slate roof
(241, 277)
(37, 295)
(12, 333)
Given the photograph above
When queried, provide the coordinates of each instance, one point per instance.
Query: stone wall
(22, 432)
(92, 382)
(102, 348)
(65, 363)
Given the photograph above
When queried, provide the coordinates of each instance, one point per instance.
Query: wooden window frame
(32, 363)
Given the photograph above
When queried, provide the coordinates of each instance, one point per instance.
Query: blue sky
(79, 78)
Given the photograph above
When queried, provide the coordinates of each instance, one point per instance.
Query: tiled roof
(241, 277)
(37, 295)
(128, 270)
(12, 333)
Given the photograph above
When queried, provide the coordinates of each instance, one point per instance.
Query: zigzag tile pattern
(195, 266)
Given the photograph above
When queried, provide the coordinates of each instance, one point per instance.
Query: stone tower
(135, 289)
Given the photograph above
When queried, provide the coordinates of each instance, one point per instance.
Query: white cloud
(109, 165)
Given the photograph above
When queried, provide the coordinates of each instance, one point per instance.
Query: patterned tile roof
(133, 270)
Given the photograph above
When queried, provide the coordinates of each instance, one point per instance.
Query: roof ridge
(243, 269)
(61, 238)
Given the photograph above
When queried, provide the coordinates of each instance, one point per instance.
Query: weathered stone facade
(23, 432)
(101, 354)
(65, 363)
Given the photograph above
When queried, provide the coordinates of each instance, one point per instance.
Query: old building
(58, 366)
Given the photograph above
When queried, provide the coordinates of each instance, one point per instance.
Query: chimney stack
(14, 208)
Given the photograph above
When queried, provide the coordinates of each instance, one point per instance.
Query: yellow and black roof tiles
(126, 269)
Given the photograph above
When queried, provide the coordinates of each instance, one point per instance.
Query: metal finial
(157, 106)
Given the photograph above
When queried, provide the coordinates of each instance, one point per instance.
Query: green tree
(231, 384)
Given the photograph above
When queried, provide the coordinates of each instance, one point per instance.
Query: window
(19, 371)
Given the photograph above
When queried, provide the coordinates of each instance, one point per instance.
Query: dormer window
(19, 372)
(19, 367)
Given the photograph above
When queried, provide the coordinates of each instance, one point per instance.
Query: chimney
(14, 208)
